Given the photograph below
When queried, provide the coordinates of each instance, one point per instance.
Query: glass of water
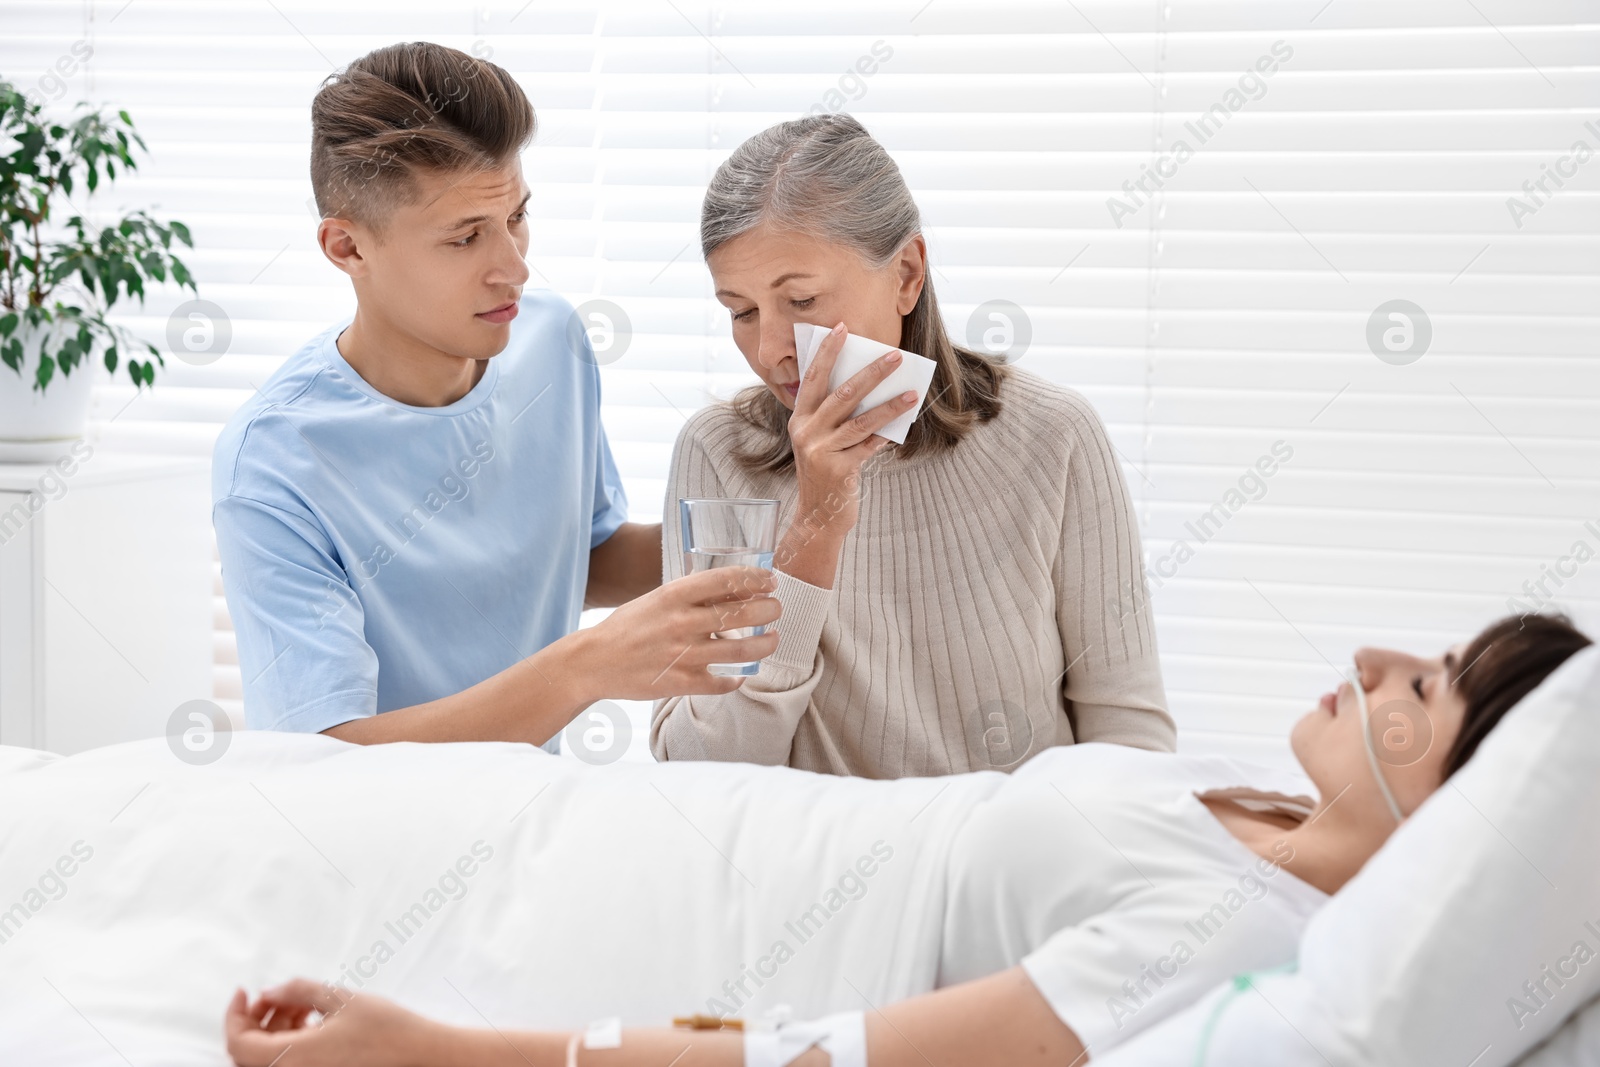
(729, 533)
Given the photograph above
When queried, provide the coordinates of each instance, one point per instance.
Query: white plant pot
(37, 427)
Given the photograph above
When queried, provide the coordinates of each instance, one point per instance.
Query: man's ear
(912, 267)
(342, 241)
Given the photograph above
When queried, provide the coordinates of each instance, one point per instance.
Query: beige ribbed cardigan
(981, 610)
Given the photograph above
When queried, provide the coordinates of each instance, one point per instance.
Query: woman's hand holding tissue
(829, 449)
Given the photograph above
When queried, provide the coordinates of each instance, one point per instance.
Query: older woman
(955, 603)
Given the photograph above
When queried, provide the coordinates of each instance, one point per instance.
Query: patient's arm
(998, 1019)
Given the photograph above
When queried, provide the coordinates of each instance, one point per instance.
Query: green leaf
(111, 358)
(43, 163)
(46, 371)
(142, 373)
(8, 323)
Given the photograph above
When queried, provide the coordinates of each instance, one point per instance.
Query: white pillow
(1576, 1044)
(1423, 956)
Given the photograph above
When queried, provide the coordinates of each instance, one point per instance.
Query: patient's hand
(355, 1030)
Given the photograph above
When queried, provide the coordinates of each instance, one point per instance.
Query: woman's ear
(912, 268)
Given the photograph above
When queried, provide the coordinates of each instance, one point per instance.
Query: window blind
(1200, 215)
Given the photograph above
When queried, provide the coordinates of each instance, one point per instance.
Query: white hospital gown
(1121, 894)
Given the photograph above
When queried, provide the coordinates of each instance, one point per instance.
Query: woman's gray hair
(821, 175)
(825, 176)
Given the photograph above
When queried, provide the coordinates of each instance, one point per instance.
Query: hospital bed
(137, 890)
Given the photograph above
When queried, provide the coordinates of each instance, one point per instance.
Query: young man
(412, 512)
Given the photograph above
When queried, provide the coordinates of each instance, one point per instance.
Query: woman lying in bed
(1155, 883)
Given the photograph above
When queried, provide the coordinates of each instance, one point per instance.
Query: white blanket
(136, 891)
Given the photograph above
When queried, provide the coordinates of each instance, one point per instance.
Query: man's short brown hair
(404, 108)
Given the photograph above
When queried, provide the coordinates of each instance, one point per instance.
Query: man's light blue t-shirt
(378, 555)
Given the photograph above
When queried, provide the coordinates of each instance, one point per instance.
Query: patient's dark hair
(1503, 664)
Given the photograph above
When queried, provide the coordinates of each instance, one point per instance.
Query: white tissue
(914, 373)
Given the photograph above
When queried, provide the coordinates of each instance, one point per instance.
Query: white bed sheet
(290, 854)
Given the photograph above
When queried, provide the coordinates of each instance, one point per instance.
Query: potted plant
(60, 278)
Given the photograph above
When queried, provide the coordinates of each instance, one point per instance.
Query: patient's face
(1415, 714)
(771, 279)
